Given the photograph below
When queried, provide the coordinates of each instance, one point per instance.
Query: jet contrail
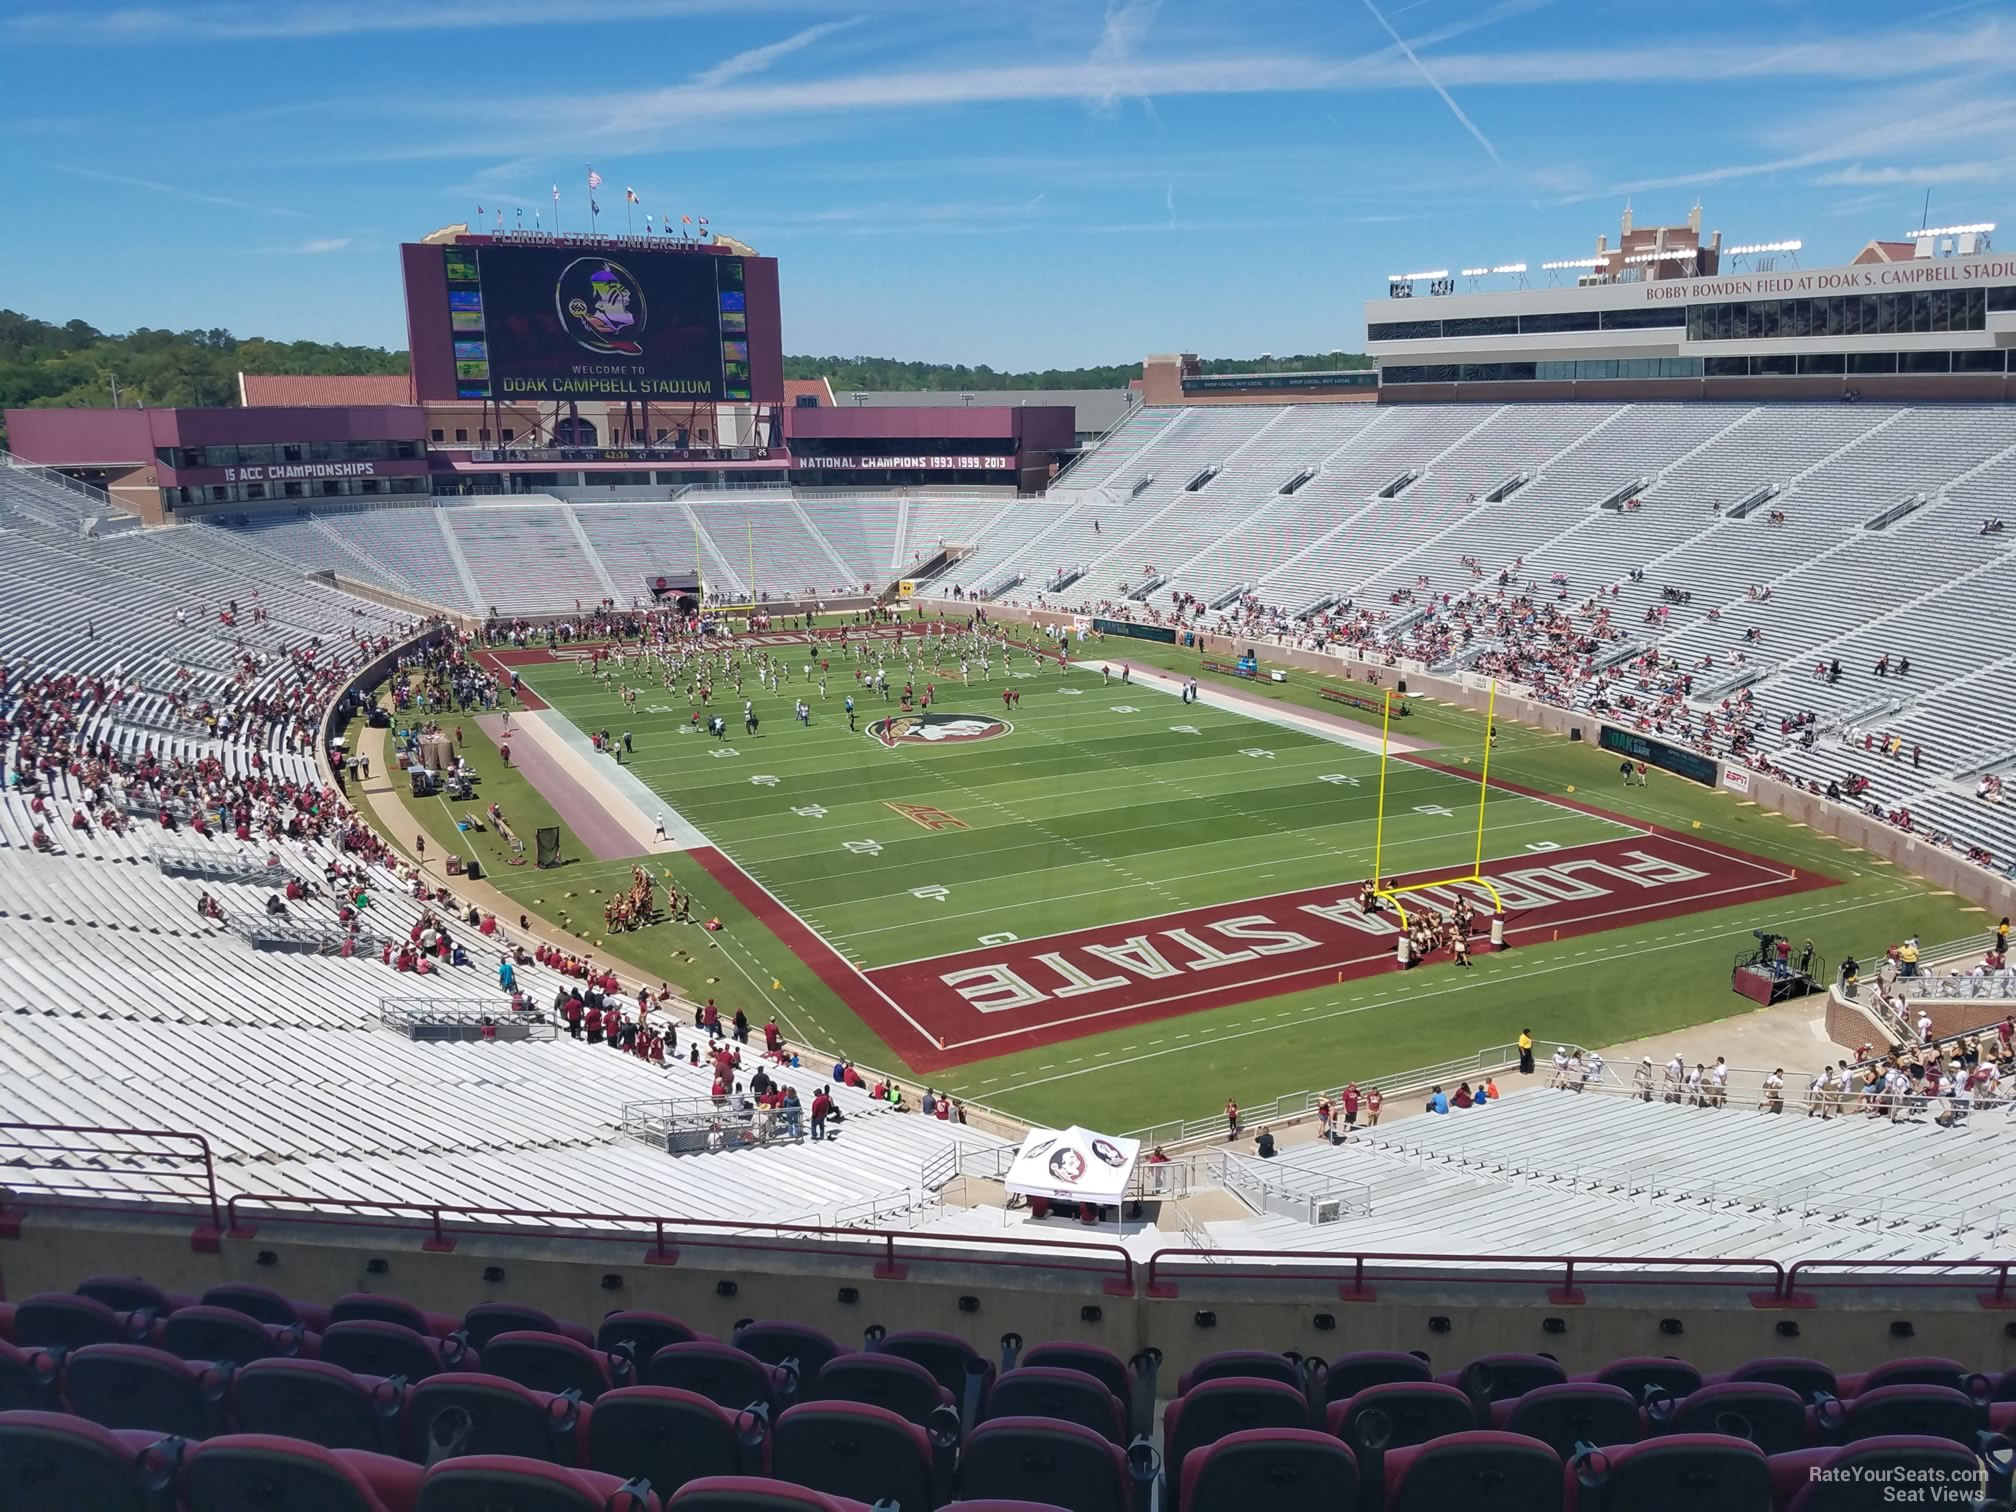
(1422, 68)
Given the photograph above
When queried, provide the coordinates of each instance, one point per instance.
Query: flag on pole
(556, 194)
(594, 179)
(703, 220)
(631, 195)
(479, 212)
(593, 208)
(687, 219)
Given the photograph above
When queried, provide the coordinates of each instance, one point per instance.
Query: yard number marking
(1125, 709)
(1256, 753)
(764, 779)
(997, 939)
(1184, 730)
(1342, 779)
(724, 751)
(864, 847)
(810, 811)
(931, 894)
(1543, 845)
(1433, 808)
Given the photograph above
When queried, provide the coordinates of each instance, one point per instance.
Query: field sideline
(1095, 813)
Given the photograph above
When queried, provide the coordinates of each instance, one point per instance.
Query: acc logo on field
(938, 729)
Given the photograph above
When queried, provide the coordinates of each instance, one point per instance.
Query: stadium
(593, 926)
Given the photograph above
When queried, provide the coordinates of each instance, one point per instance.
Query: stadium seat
(368, 1346)
(268, 1306)
(320, 1403)
(486, 1320)
(53, 1462)
(854, 1450)
(953, 1363)
(1132, 1381)
(66, 1320)
(1347, 1375)
(748, 1493)
(778, 1343)
(1415, 1412)
(1233, 1404)
(669, 1437)
(1504, 1376)
(133, 1386)
(642, 1333)
(501, 1483)
(1505, 1472)
(372, 1307)
(1916, 1370)
(458, 1413)
(1904, 1411)
(7, 1322)
(222, 1333)
(1271, 1470)
(887, 1381)
(1638, 1372)
(130, 1294)
(1577, 1412)
(1041, 1460)
(1770, 1416)
(239, 1472)
(28, 1379)
(553, 1363)
(721, 1373)
(1839, 1479)
(1685, 1472)
(1250, 1364)
(1070, 1396)
(1809, 1378)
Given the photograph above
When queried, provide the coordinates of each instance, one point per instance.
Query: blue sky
(1018, 182)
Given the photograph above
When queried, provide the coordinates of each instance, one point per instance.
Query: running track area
(951, 1010)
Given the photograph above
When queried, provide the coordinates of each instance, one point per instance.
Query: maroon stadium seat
(369, 1346)
(1685, 1472)
(1810, 1378)
(223, 1333)
(1577, 1412)
(384, 1309)
(955, 1364)
(748, 1493)
(721, 1373)
(1271, 1470)
(1415, 1412)
(1070, 1396)
(552, 1362)
(131, 1293)
(1042, 1460)
(133, 1386)
(854, 1450)
(53, 1462)
(319, 1403)
(1772, 1417)
(486, 1320)
(465, 1413)
(1638, 1373)
(268, 1306)
(1915, 1370)
(491, 1482)
(1211, 1410)
(1504, 1472)
(1249, 1364)
(1827, 1480)
(245, 1470)
(28, 1379)
(66, 1320)
(1347, 1375)
(644, 1333)
(774, 1343)
(1905, 1411)
(887, 1381)
(670, 1437)
(1506, 1375)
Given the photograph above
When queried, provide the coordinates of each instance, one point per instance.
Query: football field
(989, 876)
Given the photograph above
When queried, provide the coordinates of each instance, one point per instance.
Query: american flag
(594, 179)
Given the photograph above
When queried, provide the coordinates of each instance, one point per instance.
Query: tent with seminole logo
(1073, 1165)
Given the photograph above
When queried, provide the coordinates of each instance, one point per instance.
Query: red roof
(818, 388)
(262, 390)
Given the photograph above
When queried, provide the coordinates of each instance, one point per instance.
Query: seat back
(129, 1294)
(319, 1403)
(670, 1437)
(377, 1308)
(53, 1462)
(1505, 1472)
(1271, 1470)
(486, 1320)
(132, 1386)
(1040, 1460)
(851, 1449)
(1415, 1412)
(644, 1333)
(1577, 1412)
(64, 1320)
(1638, 1373)
(1214, 1409)
(497, 1417)
(1350, 1374)
(223, 1333)
(774, 1343)
(1250, 1364)
(1070, 1396)
(242, 1472)
(1104, 1366)
(1915, 1411)
(1685, 1472)
(27, 1379)
(746, 1493)
(370, 1346)
(1809, 1378)
(1500, 1377)
(548, 1362)
(1770, 1416)
(1864, 1476)
(719, 1372)
(1912, 1370)
(953, 1363)
(266, 1305)
(501, 1483)
(887, 1381)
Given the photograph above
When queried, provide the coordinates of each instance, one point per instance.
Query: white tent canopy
(1073, 1165)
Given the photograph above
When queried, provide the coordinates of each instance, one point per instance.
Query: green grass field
(1105, 804)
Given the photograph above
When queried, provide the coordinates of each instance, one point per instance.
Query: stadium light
(1510, 268)
(1412, 277)
(1683, 254)
(1756, 247)
(1475, 272)
(1573, 262)
(1981, 228)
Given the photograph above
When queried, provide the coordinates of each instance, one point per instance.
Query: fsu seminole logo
(601, 306)
(936, 729)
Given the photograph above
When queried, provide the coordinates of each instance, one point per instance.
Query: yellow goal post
(1475, 874)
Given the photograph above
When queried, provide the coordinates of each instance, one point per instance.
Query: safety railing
(1805, 1279)
(1357, 1275)
(172, 1167)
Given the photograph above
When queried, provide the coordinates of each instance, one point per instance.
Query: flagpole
(592, 218)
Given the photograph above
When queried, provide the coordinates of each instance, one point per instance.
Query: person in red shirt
(1350, 1099)
(1373, 1102)
(822, 1109)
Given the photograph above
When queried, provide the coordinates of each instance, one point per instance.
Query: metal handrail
(1560, 1272)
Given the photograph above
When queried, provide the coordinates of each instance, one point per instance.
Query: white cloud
(324, 244)
(756, 59)
(156, 24)
(1857, 176)
(1112, 61)
(192, 196)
